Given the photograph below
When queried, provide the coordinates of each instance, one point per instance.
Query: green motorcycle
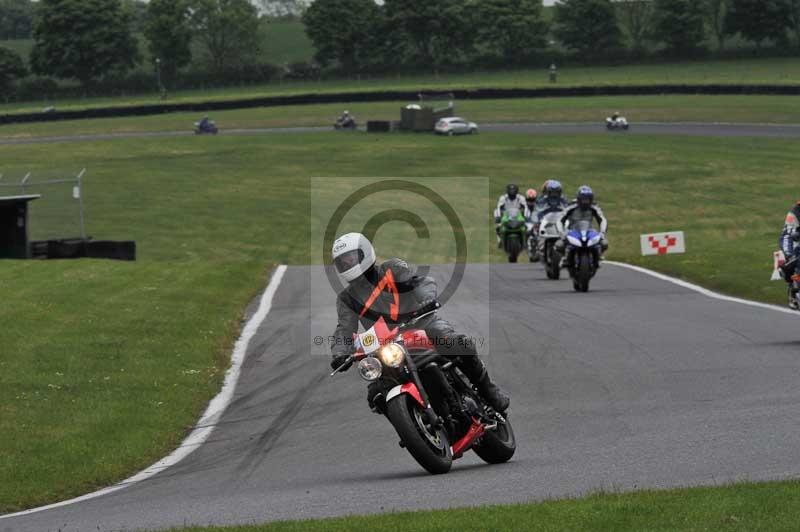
(512, 233)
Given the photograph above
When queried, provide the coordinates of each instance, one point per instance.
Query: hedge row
(389, 96)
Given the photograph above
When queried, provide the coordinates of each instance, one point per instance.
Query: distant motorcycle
(432, 406)
(551, 232)
(619, 123)
(345, 124)
(583, 254)
(533, 243)
(512, 233)
(206, 128)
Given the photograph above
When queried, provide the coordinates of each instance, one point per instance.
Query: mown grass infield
(104, 366)
(782, 71)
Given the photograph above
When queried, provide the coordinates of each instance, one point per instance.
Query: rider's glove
(338, 360)
(497, 219)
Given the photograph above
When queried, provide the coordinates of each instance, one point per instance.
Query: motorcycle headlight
(392, 355)
(370, 369)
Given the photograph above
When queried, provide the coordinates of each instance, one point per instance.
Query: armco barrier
(390, 96)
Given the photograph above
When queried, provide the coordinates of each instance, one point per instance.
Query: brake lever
(415, 320)
(349, 360)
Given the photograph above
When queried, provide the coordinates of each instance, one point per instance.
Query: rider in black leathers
(369, 297)
(790, 245)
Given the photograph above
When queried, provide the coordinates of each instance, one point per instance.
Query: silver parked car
(455, 125)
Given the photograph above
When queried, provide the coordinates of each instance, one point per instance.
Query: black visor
(349, 260)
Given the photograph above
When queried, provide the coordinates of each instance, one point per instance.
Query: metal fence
(59, 213)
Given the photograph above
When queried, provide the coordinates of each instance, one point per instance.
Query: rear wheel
(498, 445)
(451, 133)
(427, 444)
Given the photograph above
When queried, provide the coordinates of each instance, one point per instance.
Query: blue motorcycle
(583, 254)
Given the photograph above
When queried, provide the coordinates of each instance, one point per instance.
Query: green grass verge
(104, 366)
(285, 41)
(739, 109)
(22, 46)
(741, 508)
(784, 71)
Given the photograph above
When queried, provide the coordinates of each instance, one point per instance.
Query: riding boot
(794, 287)
(473, 368)
(496, 398)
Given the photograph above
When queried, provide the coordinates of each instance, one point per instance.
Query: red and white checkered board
(663, 243)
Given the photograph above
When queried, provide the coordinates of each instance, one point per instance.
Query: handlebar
(435, 306)
(347, 362)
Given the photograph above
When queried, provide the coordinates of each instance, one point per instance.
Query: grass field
(22, 46)
(106, 365)
(286, 42)
(742, 109)
(785, 71)
(742, 508)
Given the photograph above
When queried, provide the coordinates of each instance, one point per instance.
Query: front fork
(415, 388)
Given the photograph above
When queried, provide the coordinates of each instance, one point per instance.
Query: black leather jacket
(377, 294)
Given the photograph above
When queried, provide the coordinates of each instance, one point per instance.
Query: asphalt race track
(639, 383)
(649, 128)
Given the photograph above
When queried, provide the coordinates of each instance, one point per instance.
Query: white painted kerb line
(701, 290)
(205, 426)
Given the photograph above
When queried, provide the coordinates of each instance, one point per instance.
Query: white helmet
(352, 255)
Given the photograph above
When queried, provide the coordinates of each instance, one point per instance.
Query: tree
(169, 33)
(679, 25)
(436, 32)
(512, 29)
(11, 69)
(16, 19)
(341, 31)
(715, 13)
(228, 30)
(636, 17)
(793, 14)
(758, 20)
(587, 26)
(83, 39)
(138, 12)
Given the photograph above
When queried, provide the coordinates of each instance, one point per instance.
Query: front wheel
(427, 444)
(498, 445)
(553, 266)
(583, 273)
(513, 248)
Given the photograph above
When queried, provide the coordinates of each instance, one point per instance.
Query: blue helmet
(553, 192)
(585, 196)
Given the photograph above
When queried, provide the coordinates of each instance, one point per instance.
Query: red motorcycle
(435, 410)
